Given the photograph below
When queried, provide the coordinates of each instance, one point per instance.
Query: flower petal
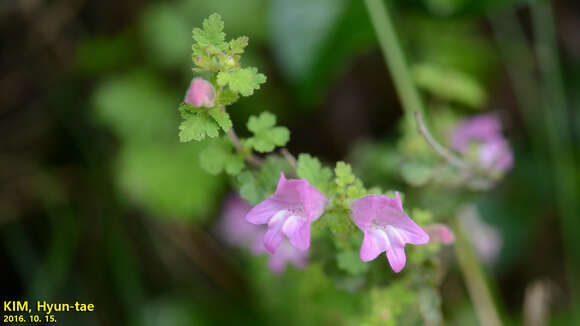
(287, 191)
(440, 233)
(370, 248)
(273, 237)
(262, 212)
(277, 264)
(298, 232)
(396, 257)
(313, 201)
(411, 232)
(365, 209)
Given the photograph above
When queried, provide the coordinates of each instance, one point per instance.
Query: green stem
(475, 280)
(395, 59)
(518, 60)
(558, 134)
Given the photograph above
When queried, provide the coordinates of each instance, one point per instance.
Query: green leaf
(344, 174)
(227, 97)
(197, 127)
(212, 32)
(309, 168)
(261, 123)
(266, 136)
(451, 85)
(249, 188)
(243, 81)
(350, 262)
(256, 186)
(218, 156)
(222, 118)
(416, 173)
(238, 45)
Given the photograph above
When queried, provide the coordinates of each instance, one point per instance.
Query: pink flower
(285, 254)
(289, 211)
(233, 227)
(200, 93)
(386, 228)
(486, 238)
(493, 151)
(236, 231)
(439, 233)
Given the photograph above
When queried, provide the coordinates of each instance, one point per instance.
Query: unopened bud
(200, 93)
(439, 233)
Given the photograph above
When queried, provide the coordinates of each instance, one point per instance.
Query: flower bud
(200, 93)
(439, 233)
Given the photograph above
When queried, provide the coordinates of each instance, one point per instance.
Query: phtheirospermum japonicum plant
(297, 210)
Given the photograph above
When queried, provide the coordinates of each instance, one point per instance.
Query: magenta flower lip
(386, 228)
(494, 152)
(289, 211)
(237, 232)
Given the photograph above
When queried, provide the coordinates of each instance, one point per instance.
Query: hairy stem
(475, 280)
(248, 156)
(395, 58)
(438, 148)
(290, 158)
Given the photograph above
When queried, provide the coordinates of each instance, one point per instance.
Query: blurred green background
(99, 202)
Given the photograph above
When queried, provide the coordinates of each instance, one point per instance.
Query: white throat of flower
(286, 216)
(384, 233)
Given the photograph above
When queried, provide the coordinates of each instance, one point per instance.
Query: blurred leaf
(137, 107)
(218, 156)
(316, 19)
(155, 170)
(100, 54)
(256, 186)
(449, 45)
(166, 179)
(350, 262)
(166, 33)
(416, 173)
(449, 85)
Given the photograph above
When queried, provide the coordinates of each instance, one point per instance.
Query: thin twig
(394, 57)
(248, 156)
(290, 158)
(438, 148)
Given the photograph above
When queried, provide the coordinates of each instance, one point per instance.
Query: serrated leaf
(256, 186)
(218, 156)
(244, 81)
(222, 118)
(344, 174)
(238, 45)
(212, 32)
(227, 97)
(197, 127)
(262, 122)
(309, 168)
(234, 164)
(266, 136)
(249, 189)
